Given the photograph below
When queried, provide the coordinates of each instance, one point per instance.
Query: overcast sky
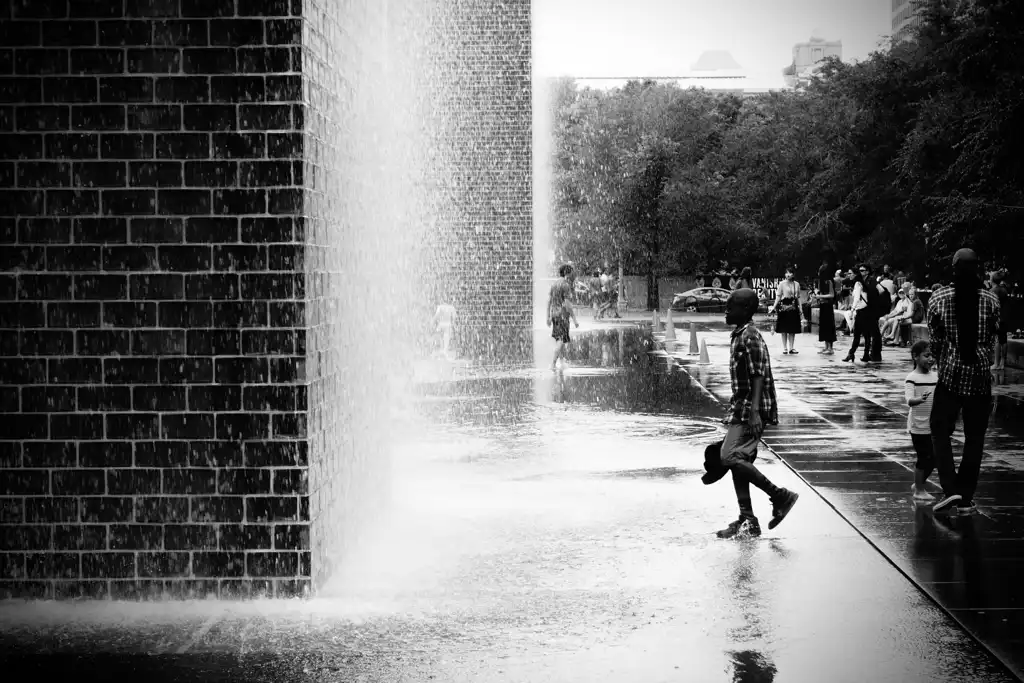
(665, 37)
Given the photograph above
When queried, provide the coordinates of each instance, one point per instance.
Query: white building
(807, 59)
(714, 70)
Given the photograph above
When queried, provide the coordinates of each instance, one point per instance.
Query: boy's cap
(713, 463)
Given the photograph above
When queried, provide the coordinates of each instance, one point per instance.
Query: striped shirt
(918, 384)
(749, 359)
(965, 372)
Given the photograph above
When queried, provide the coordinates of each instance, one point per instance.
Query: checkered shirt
(749, 359)
(963, 371)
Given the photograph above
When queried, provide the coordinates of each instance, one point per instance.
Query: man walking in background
(560, 311)
(753, 406)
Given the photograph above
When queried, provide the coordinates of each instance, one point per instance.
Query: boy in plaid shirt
(753, 406)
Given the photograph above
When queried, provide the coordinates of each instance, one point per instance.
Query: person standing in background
(826, 296)
(444, 319)
(789, 322)
(745, 280)
(1003, 294)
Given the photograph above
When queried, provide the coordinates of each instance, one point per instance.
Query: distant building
(715, 71)
(807, 59)
(904, 19)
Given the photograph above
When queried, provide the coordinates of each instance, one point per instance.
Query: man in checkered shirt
(963, 321)
(753, 405)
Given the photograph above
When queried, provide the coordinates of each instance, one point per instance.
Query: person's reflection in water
(954, 563)
(858, 414)
(558, 388)
(976, 579)
(749, 666)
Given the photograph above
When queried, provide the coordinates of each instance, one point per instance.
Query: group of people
(604, 294)
(951, 378)
(874, 308)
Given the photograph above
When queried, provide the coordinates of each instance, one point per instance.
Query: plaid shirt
(963, 371)
(749, 359)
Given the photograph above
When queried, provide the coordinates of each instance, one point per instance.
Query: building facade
(807, 59)
(904, 19)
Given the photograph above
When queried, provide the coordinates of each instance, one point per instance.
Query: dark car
(701, 300)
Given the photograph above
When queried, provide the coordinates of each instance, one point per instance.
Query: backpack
(882, 303)
(917, 317)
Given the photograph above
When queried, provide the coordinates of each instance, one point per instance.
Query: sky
(583, 38)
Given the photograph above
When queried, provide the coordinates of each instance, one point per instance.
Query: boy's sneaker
(966, 509)
(921, 494)
(945, 505)
(781, 506)
(743, 527)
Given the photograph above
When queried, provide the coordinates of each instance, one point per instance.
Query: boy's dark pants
(739, 450)
(946, 407)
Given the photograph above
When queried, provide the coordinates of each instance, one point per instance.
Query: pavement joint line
(200, 632)
(913, 581)
(918, 584)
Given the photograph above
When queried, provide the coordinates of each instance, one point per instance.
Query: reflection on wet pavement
(842, 428)
(549, 527)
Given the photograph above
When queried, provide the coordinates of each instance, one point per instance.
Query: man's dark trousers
(875, 340)
(946, 407)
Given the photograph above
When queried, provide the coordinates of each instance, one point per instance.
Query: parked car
(701, 300)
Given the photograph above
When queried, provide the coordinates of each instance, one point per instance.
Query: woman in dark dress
(789, 322)
(826, 319)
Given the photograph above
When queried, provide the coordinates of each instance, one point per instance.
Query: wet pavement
(843, 430)
(553, 527)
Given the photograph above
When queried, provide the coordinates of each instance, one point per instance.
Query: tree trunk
(652, 276)
(621, 287)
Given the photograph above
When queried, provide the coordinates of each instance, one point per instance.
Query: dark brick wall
(151, 320)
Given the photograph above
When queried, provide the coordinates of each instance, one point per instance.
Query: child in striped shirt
(919, 387)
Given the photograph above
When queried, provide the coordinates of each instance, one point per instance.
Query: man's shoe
(966, 509)
(782, 506)
(744, 527)
(944, 506)
(865, 359)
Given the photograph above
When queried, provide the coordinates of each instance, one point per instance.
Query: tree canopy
(921, 133)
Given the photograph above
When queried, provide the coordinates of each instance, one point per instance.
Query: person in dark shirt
(753, 406)
(1003, 294)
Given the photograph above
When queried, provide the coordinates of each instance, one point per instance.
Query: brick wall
(352, 311)
(203, 206)
(481, 99)
(151, 324)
